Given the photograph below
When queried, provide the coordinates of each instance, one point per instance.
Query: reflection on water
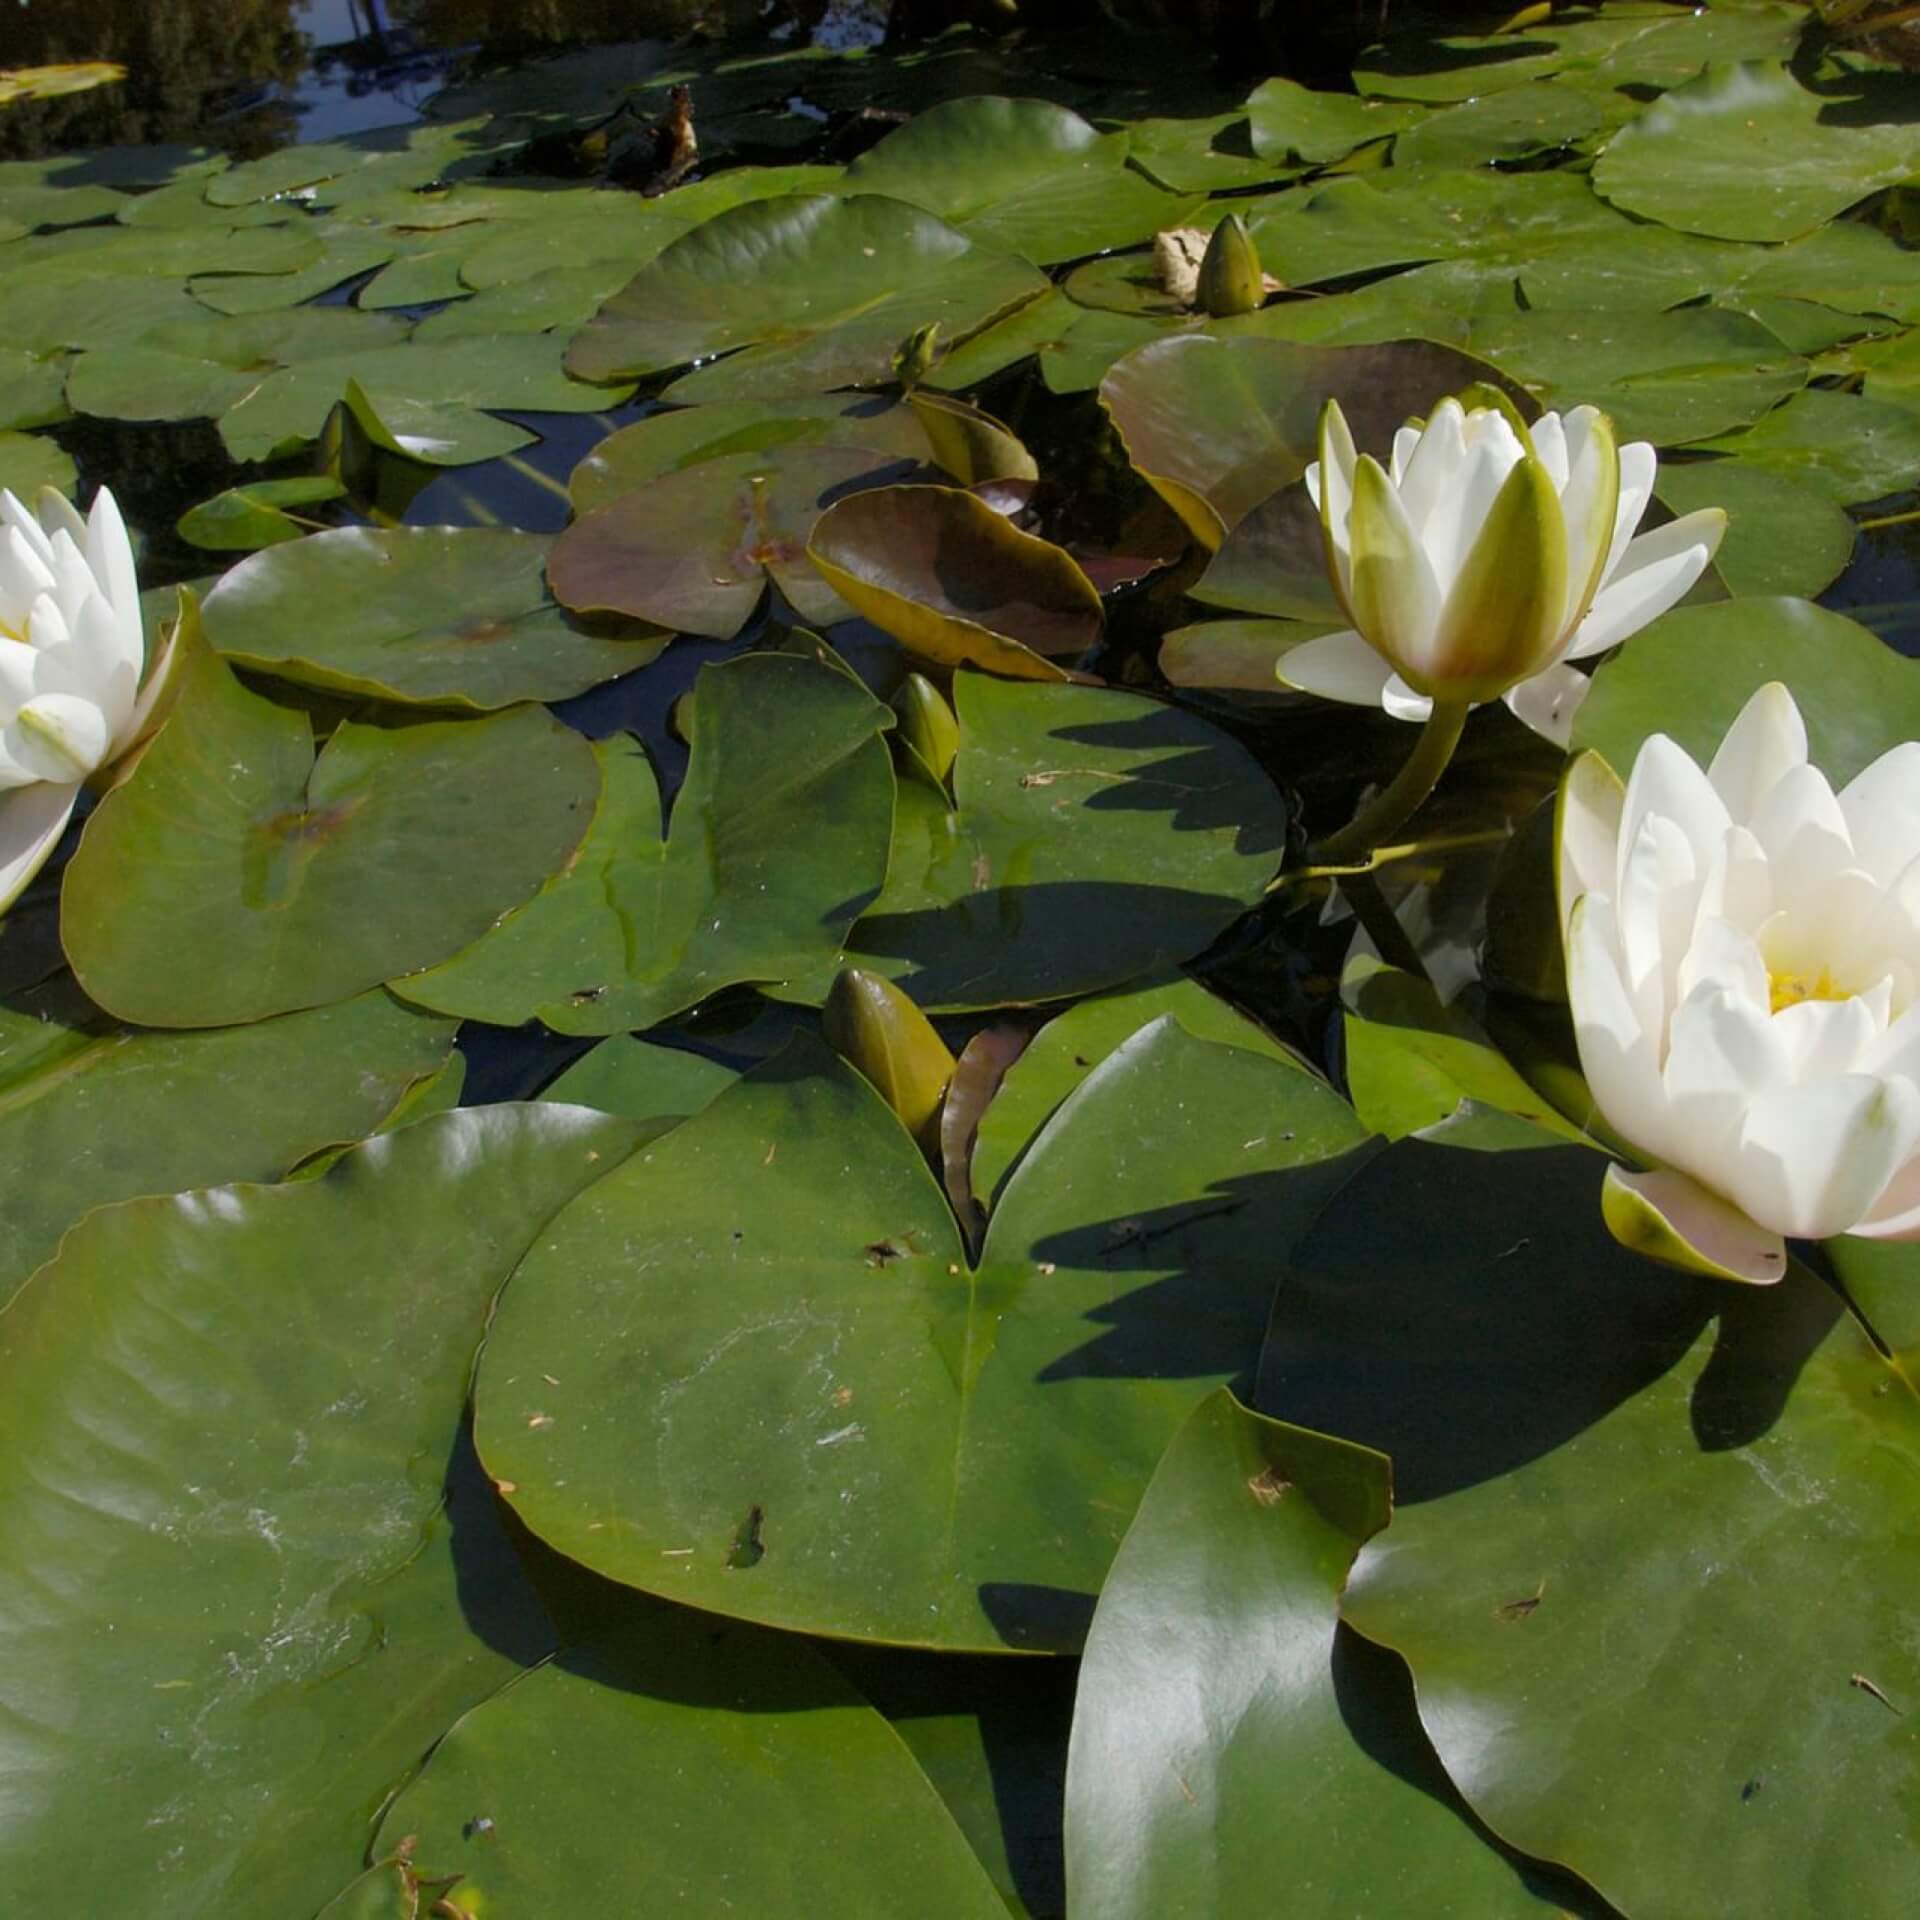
(250, 75)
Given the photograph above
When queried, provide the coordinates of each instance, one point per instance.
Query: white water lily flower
(1483, 559)
(1743, 960)
(72, 649)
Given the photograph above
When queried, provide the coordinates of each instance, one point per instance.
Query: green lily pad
(1370, 221)
(696, 549)
(1747, 152)
(30, 461)
(640, 1081)
(1218, 425)
(1692, 670)
(516, 371)
(1293, 123)
(1609, 1507)
(447, 616)
(814, 291)
(28, 208)
(231, 1602)
(245, 519)
(1216, 1666)
(955, 582)
(1095, 836)
(637, 928)
(118, 1114)
(1072, 1044)
(1782, 538)
(679, 437)
(641, 1740)
(1004, 1421)
(1237, 657)
(1212, 154)
(33, 389)
(1622, 46)
(1664, 377)
(1515, 123)
(1843, 446)
(1845, 264)
(328, 172)
(296, 878)
(1025, 176)
(1416, 1066)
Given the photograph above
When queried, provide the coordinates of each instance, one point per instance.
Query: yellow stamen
(1790, 989)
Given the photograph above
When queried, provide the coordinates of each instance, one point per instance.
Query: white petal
(1550, 438)
(1815, 1160)
(1651, 576)
(1800, 825)
(16, 517)
(59, 737)
(1589, 505)
(1336, 666)
(1666, 782)
(1722, 1055)
(110, 554)
(1432, 471)
(1492, 453)
(1587, 831)
(1405, 439)
(1617, 1050)
(1881, 806)
(19, 670)
(1655, 908)
(1737, 886)
(1896, 1214)
(24, 576)
(1402, 703)
(1638, 465)
(1548, 701)
(1724, 956)
(32, 820)
(1766, 741)
(1827, 1038)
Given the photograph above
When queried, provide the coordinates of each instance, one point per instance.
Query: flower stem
(1397, 803)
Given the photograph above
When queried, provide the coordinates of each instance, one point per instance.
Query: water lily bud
(1743, 965)
(76, 689)
(913, 359)
(876, 1029)
(1230, 277)
(1487, 555)
(927, 724)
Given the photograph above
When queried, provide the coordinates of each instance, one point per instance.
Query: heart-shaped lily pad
(788, 1250)
(695, 549)
(955, 582)
(1217, 1665)
(1782, 538)
(286, 879)
(1216, 426)
(1025, 176)
(1094, 835)
(637, 927)
(817, 290)
(1292, 122)
(117, 1114)
(1749, 152)
(1840, 444)
(441, 615)
(262, 1465)
(639, 1741)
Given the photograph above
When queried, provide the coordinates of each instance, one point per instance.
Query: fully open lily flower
(1485, 557)
(73, 694)
(1743, 959)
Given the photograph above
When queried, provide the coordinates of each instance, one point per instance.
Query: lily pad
(1664, 377)
(1513, 124)
(1217, 1666)
(696, 549)
(1766, 1453)
(1782, 538)
(1294, 123)
(1072, 1044)
(1748, 152)
(299, 878)
(1024, 176)
(1692, 671)
(641, 1740)
(30, 461)
(115, 1114)
(789, 1251)
(245, 519)
(679, 437)
(815, 291)
(1236, 657)
(446, 616)
(1217, 426)
(1841, 445)
(637, 928)
(262, 1466)
(32, 389)
(1211, 154)
(955, 582)
(640, 1081)
(1094, 836)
